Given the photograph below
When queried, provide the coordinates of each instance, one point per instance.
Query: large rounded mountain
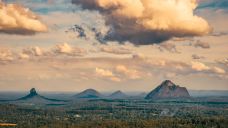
(118, 95)
(168, 90)
(88, 94)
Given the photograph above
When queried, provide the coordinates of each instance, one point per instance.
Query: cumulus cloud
(67, 49)
(218, 70)
(32, 51)
(115, 49)
(118, 73)
(201, 44)
(149, 21)
(223, 62)
(179, 67)
(23, 56)
(197, 57)
(198, 66)
(6, 56)
(64, 48)
(130, 73)
(103, 72)
(15, 19)
(116, 79)
(168, 47)
(106, 74)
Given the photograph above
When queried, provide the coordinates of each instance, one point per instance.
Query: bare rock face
(33, 92)
(168, 90)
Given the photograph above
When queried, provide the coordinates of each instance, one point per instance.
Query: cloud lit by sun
(112, 44)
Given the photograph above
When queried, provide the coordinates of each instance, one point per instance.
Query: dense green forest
(117, 114)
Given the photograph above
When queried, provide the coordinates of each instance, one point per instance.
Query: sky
(130, 45)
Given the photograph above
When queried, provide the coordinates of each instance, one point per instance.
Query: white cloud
(23, 56)
(129, 73)
(116, 79)
(103, 73)
(198, 66)
(15, 19)
(183, 68)
(66, 49)
(223, 62)
(149, 21)
(6, 55)
(218, 70)
(33, 51)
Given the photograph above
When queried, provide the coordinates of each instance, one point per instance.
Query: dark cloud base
(127, 29)
(18, 32)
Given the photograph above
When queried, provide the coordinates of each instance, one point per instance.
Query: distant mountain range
(118, 95)
(93, 94)
(88, 94)
(168, 90)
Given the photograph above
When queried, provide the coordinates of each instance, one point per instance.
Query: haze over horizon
(73, 45)
(43, 90)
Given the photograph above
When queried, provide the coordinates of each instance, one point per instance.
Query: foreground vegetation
(117, 114)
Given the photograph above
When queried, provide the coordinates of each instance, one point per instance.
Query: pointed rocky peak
(118, 95)
(118, 92)
(166, 90)
(168, 83)
(33, 92)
